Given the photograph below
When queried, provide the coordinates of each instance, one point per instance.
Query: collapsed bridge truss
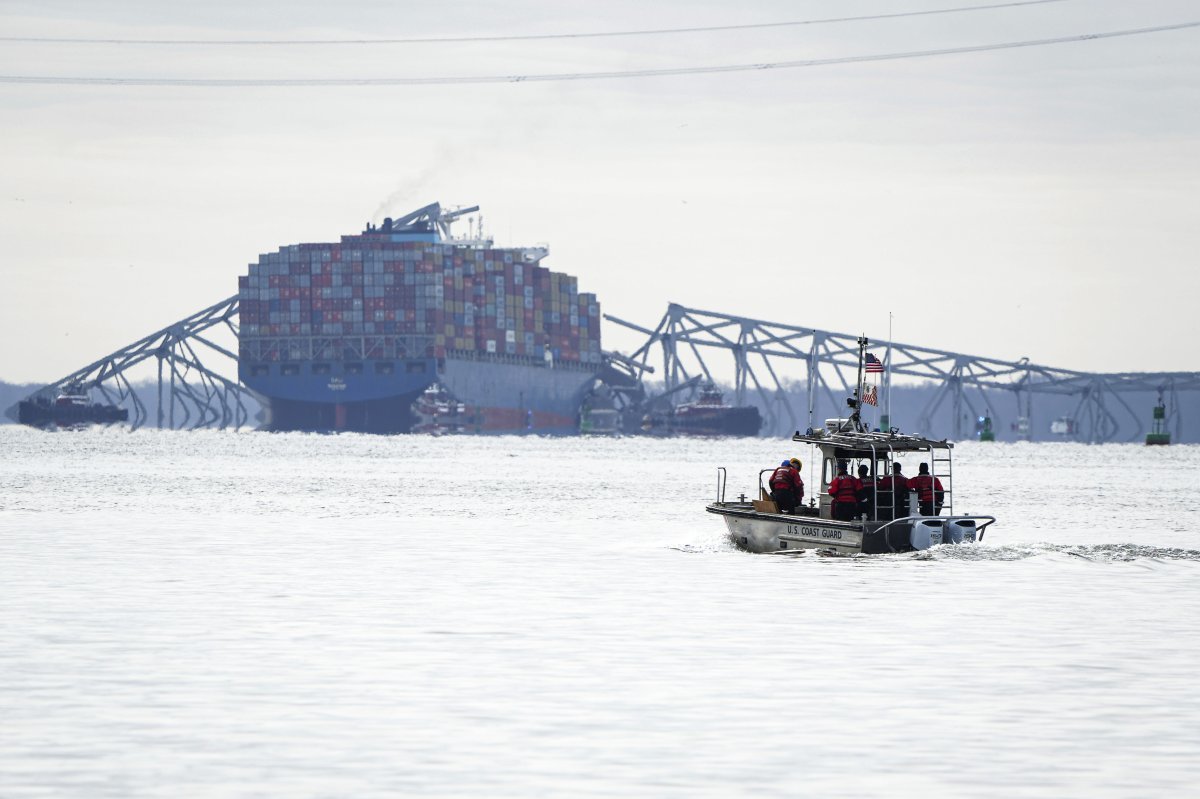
(760, 349)
(191, 394)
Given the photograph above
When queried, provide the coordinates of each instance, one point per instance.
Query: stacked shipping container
(460, 298)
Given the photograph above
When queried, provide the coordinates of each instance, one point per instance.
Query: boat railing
(979, 528)
(762, 489)
(901, 442)
(722, 478)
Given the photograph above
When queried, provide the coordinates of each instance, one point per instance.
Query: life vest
(925, 485)
(845, 489)
(799, 485)
(781, 478)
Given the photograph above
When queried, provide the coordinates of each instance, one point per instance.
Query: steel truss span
(195, 396)
(191, 394)
(760, 349)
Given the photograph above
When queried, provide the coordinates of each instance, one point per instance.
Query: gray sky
(1036, 202)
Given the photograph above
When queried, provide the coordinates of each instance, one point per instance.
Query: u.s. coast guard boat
(887, 516)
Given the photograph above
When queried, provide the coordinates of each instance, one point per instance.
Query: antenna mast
(856, 402)
(887, 376)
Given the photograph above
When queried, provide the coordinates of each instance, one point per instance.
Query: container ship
(359, 335)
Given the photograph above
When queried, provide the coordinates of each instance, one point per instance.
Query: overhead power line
(566, 76)
(523, 37)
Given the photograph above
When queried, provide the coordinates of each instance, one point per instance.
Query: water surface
(217, 614)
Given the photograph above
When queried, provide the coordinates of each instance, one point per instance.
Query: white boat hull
(775, 532)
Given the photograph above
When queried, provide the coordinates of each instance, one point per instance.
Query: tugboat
(710, 416)
(884, 521)
(70, 409)
(438, 413)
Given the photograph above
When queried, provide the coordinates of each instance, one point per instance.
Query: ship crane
(430, 219)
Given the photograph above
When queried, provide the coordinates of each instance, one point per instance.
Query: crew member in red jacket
(929, 491)
(866, 497)
(893, 495)
(783, 484)
(844, 492)
(798, 482)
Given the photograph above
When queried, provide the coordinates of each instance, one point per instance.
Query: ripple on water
(1097, 553)
(230, 615)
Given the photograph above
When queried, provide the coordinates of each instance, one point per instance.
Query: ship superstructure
(347, 335)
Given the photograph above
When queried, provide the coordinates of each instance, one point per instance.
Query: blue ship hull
(501, 395)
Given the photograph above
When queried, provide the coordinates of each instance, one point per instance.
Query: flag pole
(887, 373)
(875, 414)
(856, 417)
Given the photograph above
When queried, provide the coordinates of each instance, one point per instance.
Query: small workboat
(710, 416)
(887, 517)
(70, 409)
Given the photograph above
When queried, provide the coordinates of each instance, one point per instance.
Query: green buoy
(986, 433)
(1158, 434)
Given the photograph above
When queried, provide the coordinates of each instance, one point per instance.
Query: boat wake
(1096, 553)
(721, 545)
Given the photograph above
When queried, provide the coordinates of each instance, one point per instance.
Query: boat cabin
(878, 451)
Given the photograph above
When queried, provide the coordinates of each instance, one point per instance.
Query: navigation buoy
(1158, 434)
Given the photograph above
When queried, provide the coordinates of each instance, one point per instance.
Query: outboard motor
(959, 530)
(926, 533)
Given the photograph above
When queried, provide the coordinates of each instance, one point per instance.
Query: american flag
(874, 365)
(871, 396)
